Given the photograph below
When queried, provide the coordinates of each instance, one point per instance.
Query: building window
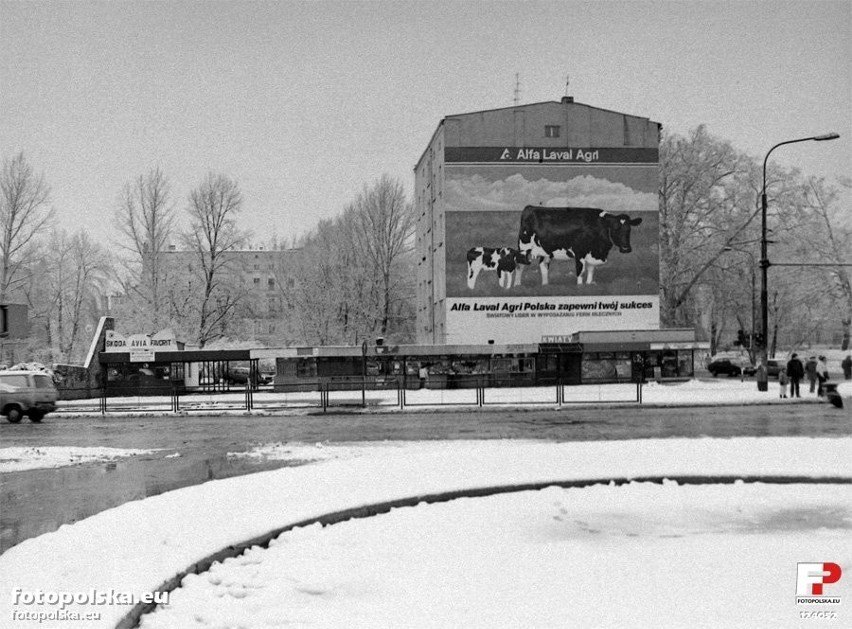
(257, 280)
(271, 283)
(551, 131)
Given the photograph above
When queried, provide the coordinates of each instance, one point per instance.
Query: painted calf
(504, 260)
(583, 234)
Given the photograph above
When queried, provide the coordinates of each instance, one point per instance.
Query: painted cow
(583, 234)
(504, 260)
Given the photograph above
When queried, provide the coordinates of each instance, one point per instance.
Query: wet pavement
(39, 501)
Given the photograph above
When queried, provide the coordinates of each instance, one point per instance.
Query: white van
(30, 393)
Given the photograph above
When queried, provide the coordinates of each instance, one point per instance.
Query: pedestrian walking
(795, 372)
(811, 372)
(847, 367)
(822, 375)
(782, 383)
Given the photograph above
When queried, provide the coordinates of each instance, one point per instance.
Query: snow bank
(18, 459)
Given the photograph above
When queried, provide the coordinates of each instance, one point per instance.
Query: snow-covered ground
(642, 555)
(734, 560)
(631, 555)
(19, 459)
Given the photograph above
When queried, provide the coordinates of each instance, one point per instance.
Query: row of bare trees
(194, 289)
(349, 281)
(65, 278)
(352, 278)
(710, 232)
(61, 276)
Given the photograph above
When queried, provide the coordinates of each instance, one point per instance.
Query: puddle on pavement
(40, 501)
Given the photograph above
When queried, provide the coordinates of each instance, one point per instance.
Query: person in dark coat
(795, 371)
(847, 367)
(811, 371)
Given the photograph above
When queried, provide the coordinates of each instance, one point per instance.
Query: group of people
(815, 370)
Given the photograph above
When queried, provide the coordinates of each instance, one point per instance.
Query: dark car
(239, 375)
(724, 366)
(773, 368)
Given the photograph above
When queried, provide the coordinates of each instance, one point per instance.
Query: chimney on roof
(567, 99)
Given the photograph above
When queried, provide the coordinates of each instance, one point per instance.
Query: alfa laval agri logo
(811, 579)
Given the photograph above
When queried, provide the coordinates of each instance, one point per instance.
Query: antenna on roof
(566, 98)
(517, 89)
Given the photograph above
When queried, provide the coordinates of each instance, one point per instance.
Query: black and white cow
(504, 260)
(580, 233)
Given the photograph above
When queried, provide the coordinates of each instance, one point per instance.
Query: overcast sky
(304, 103)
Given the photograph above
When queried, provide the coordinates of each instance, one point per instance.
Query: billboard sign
(550, 241)
(163, 341)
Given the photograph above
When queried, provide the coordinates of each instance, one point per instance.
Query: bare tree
(815, 234)
(77, 276)
(23, 215)
(382, 228)
(707, 205)
(69, 293)
(352, 278)
(213, 210)
(316, 289)
(146, 218)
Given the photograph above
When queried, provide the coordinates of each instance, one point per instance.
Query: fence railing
(354, 392)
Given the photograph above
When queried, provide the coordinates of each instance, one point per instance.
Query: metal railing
(348, 393)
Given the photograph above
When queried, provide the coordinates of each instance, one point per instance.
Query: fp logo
(810, 577)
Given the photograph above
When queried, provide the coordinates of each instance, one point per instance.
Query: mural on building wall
(567, 246)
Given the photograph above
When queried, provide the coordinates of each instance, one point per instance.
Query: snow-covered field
(575, 549)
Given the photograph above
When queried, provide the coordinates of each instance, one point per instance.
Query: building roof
(567, 100)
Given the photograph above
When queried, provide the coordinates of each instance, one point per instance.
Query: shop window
(599, 367)
(685, 368)
(668, 364)
(306, 368)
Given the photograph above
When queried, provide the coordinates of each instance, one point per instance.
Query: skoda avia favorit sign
(141, 347)
(543, 241)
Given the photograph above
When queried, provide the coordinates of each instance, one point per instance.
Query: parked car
(773, 368)
(724, 366)
(30, 393)
(241, 375)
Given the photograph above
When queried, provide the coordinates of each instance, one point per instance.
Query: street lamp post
(762, 381)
